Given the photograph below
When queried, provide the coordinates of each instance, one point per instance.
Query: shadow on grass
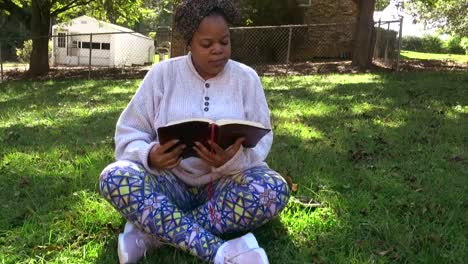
(42, 95)
(384, 153)
(43, 164)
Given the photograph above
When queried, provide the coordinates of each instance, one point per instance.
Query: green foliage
(381, 4)
(449, 15)
(121, 12)
(453, 45)
(24, 53)
(152, 34)
(464, 44)
(432, 44)
(411, 43)
(140, 15)
(428, 43)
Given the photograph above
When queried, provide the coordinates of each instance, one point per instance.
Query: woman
(166, 198)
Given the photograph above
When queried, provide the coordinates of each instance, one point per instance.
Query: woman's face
(211, 46)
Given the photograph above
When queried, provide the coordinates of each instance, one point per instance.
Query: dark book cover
(225, 134)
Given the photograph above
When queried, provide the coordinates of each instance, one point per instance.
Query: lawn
(19, 65)
(412, 55)
(385, 155)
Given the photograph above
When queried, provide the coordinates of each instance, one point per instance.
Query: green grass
(412, 55)
(386, 155)
(7, 64)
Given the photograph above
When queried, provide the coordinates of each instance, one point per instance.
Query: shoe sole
(263, 255)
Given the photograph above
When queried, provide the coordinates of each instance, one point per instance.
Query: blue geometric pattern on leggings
(244, 201)
(166, 207)
(139, 197)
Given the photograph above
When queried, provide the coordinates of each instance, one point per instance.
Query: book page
(189, 120)
(235, 121)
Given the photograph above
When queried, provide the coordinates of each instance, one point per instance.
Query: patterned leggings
(181, 215)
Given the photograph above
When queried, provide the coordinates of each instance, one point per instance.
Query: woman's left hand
(220, 156)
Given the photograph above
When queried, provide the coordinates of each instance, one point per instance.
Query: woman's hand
(220, 156)
(159, 159)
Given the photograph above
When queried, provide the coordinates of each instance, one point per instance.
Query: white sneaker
(133, 244)
(253, 256)
(239, 249)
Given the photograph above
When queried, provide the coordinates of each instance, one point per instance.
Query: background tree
(42, 12)
(381, 4)
(448, 15)
(15, 24)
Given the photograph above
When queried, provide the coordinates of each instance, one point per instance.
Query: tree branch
(70, 5)
(11, 7)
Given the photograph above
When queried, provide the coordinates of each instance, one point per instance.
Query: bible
(223, 132)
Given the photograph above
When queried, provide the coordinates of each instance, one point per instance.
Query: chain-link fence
(388, 37)
(292, 43)
(90, 53)
(256, 46)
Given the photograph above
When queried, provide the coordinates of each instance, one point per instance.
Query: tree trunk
(363, 43)
(40, 24)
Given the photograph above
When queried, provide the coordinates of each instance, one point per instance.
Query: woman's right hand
(159, 159)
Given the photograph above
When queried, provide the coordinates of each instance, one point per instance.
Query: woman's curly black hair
(190, 13)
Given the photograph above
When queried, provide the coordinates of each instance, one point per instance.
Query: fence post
(399, 44)
(377, 38)
(386, 46)
(90, 53)
(1, 63)
(289, 45)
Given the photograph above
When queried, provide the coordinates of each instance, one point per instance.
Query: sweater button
(207, 104)
(207, 85)
(207, 98)
(206, 109)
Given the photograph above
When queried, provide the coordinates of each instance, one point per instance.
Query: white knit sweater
(173, 90)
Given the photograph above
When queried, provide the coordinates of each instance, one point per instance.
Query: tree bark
(40, 24)
(363, 43)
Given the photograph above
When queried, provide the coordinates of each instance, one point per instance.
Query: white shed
(76, 39)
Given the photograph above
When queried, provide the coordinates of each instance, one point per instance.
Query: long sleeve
(173, 90)
(135, 134)
(256, 109)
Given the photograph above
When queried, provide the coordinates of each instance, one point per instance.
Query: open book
(224, 132)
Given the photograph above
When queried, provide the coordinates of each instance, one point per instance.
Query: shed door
(61, 47)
